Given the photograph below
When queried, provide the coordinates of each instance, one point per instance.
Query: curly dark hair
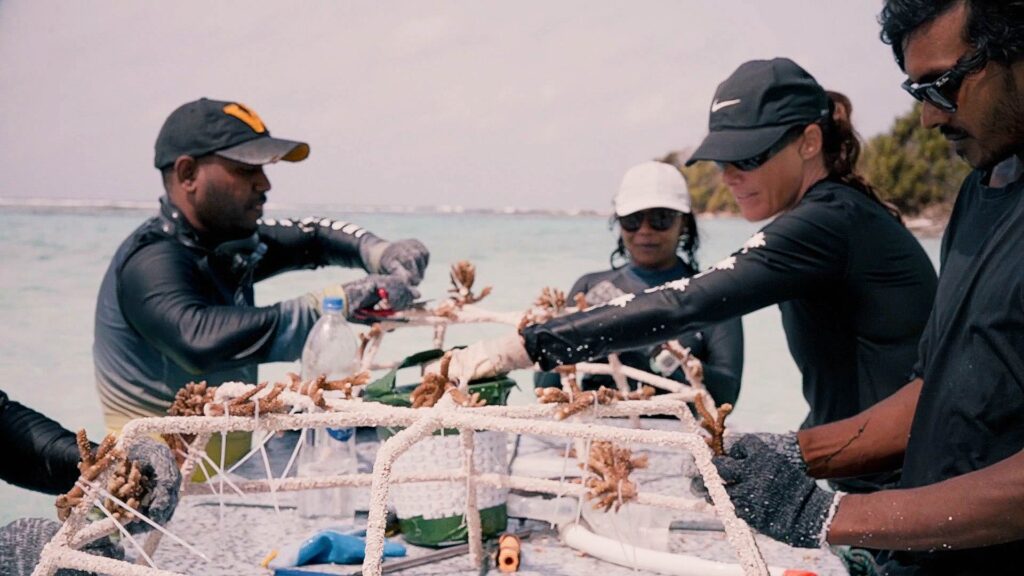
(995, 27)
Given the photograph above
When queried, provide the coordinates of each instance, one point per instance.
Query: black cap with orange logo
(228, 129)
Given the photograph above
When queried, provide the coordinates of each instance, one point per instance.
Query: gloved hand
(774, 495)
(785, 444)
(405, 258)
(330, 547)
(365, 293)
(158, 504)
(488, 358)
(22, 541)
(408, 257)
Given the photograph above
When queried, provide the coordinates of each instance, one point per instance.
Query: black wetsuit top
(39, 454)
(971, 411)
(854, 286)
(173, 308)
(718, 346)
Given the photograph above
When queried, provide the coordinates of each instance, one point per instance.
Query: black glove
(161, 498)
(22, 541)
(365, 293)
(785, 444)
(408, 258)
(774, 495)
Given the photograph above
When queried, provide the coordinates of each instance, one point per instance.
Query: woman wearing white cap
(657, 243)
(855, 288)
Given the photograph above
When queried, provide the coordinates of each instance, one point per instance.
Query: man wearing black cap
(957, 431)
(176, 304)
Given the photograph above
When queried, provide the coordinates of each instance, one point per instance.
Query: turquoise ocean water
(53, 262)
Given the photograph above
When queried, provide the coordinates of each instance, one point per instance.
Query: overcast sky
(532, 104)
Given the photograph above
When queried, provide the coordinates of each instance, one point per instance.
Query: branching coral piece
(644, 393)
(464, 399)
(581, 301)
(190, 400)
(576, 402)
(692, 367)
(348, 383)
(127, 482)
(549, 304)
(610, 485)
(551, 395)
(245, 405)
(714, 426)
(375, 332)
(463, 275)
(429, 391)
(551, 299)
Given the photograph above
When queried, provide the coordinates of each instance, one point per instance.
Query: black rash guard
(173, 309)
(718, 346)
(970, 414)
(854, 287)
(39, 454)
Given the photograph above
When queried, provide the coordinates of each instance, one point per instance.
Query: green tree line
(912, 167)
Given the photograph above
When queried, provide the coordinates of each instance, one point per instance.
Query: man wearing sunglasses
(957, 430)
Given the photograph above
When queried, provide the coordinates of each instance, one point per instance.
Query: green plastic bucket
(432, 513)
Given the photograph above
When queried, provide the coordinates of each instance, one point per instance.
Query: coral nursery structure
(568, 413)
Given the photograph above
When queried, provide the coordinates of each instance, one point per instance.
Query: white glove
(488, 358)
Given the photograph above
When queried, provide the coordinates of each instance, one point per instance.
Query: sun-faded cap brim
(736, 145)
(266, 150)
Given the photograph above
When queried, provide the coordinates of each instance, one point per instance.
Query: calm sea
(53, 263)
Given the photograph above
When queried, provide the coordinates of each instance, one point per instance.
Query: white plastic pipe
(617, 552)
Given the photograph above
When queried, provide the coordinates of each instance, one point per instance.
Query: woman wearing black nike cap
(854, 286)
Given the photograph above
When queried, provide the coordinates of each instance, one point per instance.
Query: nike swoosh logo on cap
(716, 105)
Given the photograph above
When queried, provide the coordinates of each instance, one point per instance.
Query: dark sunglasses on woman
(660, 219)
(755, 162)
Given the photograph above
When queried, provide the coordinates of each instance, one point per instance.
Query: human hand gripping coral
(148, 480)
(488, 358)
(774, 495)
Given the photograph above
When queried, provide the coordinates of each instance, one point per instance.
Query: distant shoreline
(929, 223)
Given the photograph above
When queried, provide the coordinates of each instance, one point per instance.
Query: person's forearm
(310, 243)
(977, 509)
(872, 441)
(40, 454)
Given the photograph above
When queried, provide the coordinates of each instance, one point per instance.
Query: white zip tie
(295, 454)
(156, 526)
(120, 527)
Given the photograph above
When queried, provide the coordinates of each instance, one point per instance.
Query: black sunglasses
(660, 219)
(942, 91)
(755, 162)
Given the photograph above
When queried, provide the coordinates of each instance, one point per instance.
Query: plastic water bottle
(330, 350)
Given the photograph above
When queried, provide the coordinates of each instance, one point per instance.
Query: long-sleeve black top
(718, 346)
(174, 308)
(854, 286)
(39, 454)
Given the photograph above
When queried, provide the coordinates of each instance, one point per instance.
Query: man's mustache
(952, 133)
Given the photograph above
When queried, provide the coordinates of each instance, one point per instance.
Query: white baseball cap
(652, 185)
